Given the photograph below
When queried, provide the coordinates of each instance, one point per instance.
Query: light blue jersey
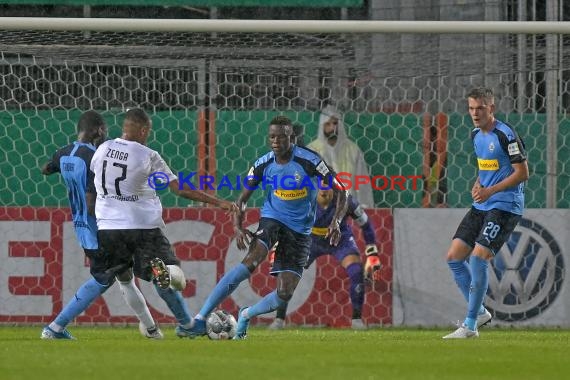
(291, 188)
(73, 161)
(495, 152)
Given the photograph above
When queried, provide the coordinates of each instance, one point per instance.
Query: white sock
(134, 298)
(55, 327)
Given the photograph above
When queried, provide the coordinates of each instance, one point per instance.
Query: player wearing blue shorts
(73, 161)
(289, 175)
(346, 252)
(498, 204)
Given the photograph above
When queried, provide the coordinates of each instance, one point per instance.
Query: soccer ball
(221, 325)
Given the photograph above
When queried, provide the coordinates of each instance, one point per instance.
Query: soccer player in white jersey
(72, 162)
(129, 212)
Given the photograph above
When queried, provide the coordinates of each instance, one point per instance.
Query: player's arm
(244, 236)
(159, 165)
(52, 166)
(200, 196)
(90, 193)
(373, 265)
(341, 206)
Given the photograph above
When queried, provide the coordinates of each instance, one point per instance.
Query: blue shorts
(292, 251)
(491, 229)
(320, 246)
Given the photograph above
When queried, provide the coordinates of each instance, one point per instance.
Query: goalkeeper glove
(373, 265)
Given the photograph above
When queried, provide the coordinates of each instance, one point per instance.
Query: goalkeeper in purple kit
(346, 252)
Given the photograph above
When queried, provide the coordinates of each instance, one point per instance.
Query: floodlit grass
(105, 353)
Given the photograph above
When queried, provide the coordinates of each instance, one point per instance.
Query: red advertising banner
(41, 266)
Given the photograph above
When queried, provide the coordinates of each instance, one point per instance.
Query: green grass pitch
(105, 353)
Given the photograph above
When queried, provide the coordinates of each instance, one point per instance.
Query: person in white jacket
(344, 155)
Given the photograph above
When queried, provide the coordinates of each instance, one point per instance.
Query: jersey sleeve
(357, 213)
(513, 146)
(53, 164)
(158, 165)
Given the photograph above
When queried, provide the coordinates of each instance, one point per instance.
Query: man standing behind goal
(129, 212)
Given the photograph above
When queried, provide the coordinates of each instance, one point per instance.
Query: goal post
(211, 88)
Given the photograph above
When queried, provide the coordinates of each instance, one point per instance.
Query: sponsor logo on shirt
(488, 164)
(320, 231)
(290, 195)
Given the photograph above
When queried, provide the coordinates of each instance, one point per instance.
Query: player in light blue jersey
(346, 252)
(498, 204)
(289, 175)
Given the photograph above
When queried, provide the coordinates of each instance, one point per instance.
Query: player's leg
(83, 298)
(496, 229)
(281, 312)
(350, 261)
(120, 246)
(155, 261)
(265, 238)
(498, 226)
(290, 259)
(461, 246)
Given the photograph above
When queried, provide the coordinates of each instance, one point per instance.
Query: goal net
(402, 101)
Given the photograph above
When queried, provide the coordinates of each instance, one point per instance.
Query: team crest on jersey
(491, 146)
(297, 176)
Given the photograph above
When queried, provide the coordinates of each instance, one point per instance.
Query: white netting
(211, 96)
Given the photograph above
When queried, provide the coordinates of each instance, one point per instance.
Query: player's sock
(355, 273)
(267, 304)
(461, 275)
(281, 312)
(227, 284)
(136, 301)
(84, 296)
(479, 284)
(175, 302)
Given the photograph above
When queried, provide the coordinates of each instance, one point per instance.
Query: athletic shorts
(320, 246)
(293, 248)
(135, 249)
(491, 229)
(98, 266)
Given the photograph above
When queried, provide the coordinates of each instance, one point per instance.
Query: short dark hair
(284, 122)
(280, 120)
(484, 93)
(90, 121)
(138, 117)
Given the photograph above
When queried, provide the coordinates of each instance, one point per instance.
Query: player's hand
(271, 256)
(480, 194)
(243, 238)
(333, 233)
(373, 264)
(230, 207)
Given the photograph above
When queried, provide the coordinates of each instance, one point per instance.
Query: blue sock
(479, 284)
(224, 288)
(266, 305)
(175, 303)
(84, 296)
(355, 274)
(462, 277)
